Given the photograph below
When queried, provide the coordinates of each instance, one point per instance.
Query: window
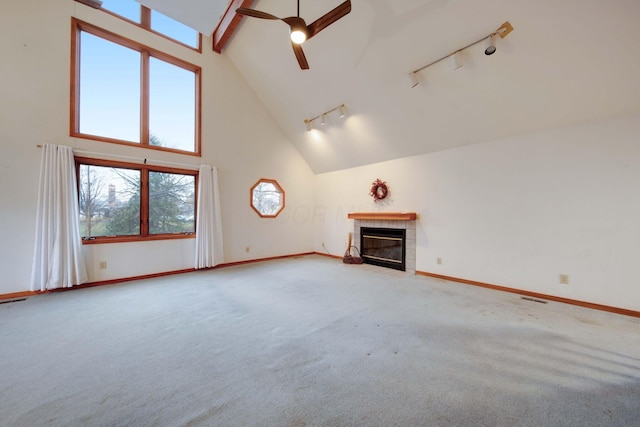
(109, 89)
(267, 198)
(172, 106)
(127, 93)
(121, 201)
(154, 21)
(128, 9)
(173, 29)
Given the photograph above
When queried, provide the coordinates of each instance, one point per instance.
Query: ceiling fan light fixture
(298, 33)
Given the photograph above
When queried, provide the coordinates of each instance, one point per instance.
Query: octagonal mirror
(267, 198)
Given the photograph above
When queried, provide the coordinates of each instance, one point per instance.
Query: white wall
(239, 137)
(515, 212)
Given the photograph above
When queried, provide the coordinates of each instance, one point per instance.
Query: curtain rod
(107, 156)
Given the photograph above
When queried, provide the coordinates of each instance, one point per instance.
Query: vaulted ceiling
(565, 62)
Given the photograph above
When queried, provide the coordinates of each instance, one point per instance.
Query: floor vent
(535, 300)
(9, 301)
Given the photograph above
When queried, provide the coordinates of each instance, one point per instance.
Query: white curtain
(208, 223)
(57, 257)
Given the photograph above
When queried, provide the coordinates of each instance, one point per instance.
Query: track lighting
(341, 109)
(490, 45)
(456, 58)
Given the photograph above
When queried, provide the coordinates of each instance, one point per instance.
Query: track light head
(323, 120)
(490, 45)
(307, 124)
(342, 111)
(413, 79)
(456, 60)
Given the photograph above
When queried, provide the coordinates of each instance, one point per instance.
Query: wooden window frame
(77, 27)
(280, 190)
(145, 23)
(144, 200)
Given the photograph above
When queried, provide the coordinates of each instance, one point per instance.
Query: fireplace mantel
(383, 216)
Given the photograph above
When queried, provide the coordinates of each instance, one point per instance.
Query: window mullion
(145, 17)
(144, 203)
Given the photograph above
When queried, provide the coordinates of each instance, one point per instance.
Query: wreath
(379, 190)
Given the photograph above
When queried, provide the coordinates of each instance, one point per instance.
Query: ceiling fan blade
(328, 18)
(255, 13)
(302, 60)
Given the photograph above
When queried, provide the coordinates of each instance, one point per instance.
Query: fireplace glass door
(384, 247)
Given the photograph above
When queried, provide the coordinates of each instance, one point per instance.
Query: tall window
(121, 201)
(154, 21)
(127, 93)
(109, 95)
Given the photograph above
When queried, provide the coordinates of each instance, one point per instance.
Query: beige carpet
(310, 341)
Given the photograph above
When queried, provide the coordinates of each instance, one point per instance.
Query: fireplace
(384, 247)
(403, 222)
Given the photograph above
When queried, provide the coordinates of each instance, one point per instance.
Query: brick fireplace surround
(396, 220)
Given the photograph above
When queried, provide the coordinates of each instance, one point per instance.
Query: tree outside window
(120, 200)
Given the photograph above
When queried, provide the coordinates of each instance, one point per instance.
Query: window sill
(124, 239)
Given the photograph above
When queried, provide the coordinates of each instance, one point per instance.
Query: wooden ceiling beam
(228, 24)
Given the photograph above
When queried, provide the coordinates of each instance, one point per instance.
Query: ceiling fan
(299, 30)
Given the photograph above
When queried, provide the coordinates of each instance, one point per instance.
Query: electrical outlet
(103, 265)
(247, 249)
(564, 279)
(439, 261)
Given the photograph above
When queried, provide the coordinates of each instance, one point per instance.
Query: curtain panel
(57, 258)
(208, 251)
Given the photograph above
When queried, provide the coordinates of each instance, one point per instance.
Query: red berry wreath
(379, 190)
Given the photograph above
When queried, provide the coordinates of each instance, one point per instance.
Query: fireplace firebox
(385, 247)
